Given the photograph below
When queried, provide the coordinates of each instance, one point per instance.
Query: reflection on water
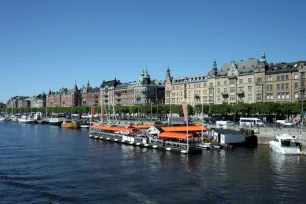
(41, 163)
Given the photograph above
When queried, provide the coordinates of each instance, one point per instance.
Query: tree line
(242, 109)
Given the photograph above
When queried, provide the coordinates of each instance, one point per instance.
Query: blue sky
(49, 44)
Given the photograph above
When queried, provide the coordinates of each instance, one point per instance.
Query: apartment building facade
(246, 81)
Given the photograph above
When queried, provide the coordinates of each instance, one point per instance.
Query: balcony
(105, 95)
(224, 93)
(118, 99)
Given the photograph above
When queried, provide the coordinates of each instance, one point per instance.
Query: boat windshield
(288, 143)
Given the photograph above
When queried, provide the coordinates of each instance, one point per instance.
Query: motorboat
(57, 119)
(5, 118)
(14, 118)
(69, 124)
(26, 119)
(286, 144)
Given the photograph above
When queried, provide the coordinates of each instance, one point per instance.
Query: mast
(202, 136)
(187, 129)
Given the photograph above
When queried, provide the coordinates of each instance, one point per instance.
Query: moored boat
(26, 119)
(69, 124)
(285, 144)
(56, 119)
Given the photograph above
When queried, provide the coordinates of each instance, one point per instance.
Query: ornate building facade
(246, 81)
(90, 96)
(64, 98)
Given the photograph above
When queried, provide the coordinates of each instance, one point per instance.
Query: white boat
(285, 144)
(57, 119)
(14, 118)
(26, 119)
(5, 118)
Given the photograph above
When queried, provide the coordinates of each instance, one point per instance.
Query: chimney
(251, 58)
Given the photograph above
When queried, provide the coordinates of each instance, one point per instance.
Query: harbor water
(48, 164)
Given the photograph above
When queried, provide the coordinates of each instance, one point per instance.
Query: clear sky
(51, 43)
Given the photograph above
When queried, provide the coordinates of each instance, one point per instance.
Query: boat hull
(69, 125)
(285, 150)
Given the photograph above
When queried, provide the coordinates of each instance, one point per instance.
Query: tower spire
(263, 56)
(215, 65)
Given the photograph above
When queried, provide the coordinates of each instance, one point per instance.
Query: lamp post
(202, 117)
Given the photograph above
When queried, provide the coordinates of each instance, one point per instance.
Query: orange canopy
(147, 126)
(174, 135)
(108, 128)
(196, 128)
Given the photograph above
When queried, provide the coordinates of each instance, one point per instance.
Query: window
(232, 82)
(259, 79)
(240, 81)
(278, 78)
(296, 95)
(303, 75)
(283, 95)
(232, 97)
(225, 90)
(249, 89)
(283, 86)
(269, 78)
(218, 83)
(296, 76)
(258, 97)
(287, 86)
(204, 84)
(287, 95)
(210, 91)
(282, 77)
(278, 87)
(287, 77)
(205, 91)
(278, 95)
(205, 98)
(218, 90)
(225, 82)
(232, 90)
(258, 88)
(218, 98)
(249, 80)
(211, 84)
(295, 85)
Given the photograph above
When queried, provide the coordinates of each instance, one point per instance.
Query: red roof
(108, 128)
(174, 135)
(196, 128)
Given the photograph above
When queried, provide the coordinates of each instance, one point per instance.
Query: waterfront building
(64, 97)
(108, 92)
(190, 89)
(148, 91)
(284, 82)
(19, 102)
(90, 96)
(142, 91)
(2, 105)
(38, 101)
(124, 94)
(246, 81)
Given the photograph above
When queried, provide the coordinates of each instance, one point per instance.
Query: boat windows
(286, 143)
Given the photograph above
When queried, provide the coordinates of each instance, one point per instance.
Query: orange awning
(174, 135)
(108, 128)
(147, 126)
(196, 128)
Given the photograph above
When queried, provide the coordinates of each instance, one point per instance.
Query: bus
(248, 122)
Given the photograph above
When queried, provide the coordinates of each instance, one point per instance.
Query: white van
(248, 122)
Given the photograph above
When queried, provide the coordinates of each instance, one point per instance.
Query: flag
(92, 111)
(185, 111)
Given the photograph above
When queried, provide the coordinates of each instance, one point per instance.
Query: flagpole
(187, 129)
